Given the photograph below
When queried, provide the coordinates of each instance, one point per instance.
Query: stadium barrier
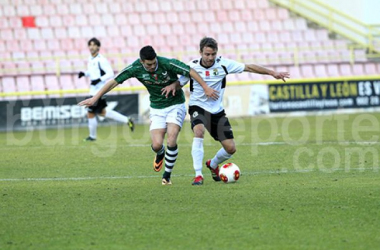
(57, 112)
(242, 98)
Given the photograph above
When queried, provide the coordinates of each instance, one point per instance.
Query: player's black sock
(170, 159)
(166, 175)
(159, 152)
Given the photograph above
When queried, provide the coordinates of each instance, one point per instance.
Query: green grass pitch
(308, 182)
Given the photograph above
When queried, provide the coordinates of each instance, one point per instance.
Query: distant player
(99, 71)
(209, 114)
(166, 113)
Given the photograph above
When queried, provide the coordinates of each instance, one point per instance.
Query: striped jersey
(215, 78)
(166, 73)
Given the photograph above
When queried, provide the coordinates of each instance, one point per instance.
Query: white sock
(92, 125)
(116, 116)
(220, 157)
(197, 152)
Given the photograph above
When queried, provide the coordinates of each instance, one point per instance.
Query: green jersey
(164, 75)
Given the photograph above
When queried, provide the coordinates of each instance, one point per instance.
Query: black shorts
(98, 107)
(216, 124)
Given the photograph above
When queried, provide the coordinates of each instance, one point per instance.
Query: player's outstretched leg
(120, 118)
(197, 153)
(222, 155)
(170, 159)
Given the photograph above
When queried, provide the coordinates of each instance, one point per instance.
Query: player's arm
(120, 78)
(253, 68)
(104, 90)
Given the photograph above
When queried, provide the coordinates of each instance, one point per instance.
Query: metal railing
(368, 36)
(293, 58)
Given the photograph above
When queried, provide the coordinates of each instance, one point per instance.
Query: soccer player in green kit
(167, 112)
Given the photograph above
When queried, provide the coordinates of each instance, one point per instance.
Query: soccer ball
(229, 173)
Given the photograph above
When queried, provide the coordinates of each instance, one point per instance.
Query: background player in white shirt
(206, 113)
(99, 71)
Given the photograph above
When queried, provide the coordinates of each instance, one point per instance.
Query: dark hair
(208, 42)
(93, 40)
(147, 53)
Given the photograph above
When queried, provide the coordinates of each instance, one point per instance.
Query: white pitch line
(10, 147)
(374, 169)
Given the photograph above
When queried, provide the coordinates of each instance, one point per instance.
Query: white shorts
(173, 114)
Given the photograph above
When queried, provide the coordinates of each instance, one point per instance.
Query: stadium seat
(307, 71)
(12, 46)
(47, 33)
(264, 25)
(67, 83)
(23, 85)
(320, 70)
(75, 9)
(370, 69)
(38, 67)
(271, 14)
(333, 70)
(172, 17)
(42, 21)
(345, 69)
(62, 9)
(289, 24)
(65, 66)
(321, 35)
(273, 37)
(282, 14)
(358, 70)
(276, 25)
(360, 55)
(153, 7)
(55, 21)
(49, 9)
(258, 14)
(7, 34)
(101, 8)
(222, 16)
(9, 86)
(260, 37)
(81, 20)
(4, 24)
(179, 6)
(300, 24)
(52, 83)
(263, 4)
(9, 11)
(37, 84)
(60, 33)
(53, 45)
(165, 29)
(203, 29)
(36, 10)
(295, 72)
(246, 15)
(309, 35)
(14, 22)
(227, 5)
